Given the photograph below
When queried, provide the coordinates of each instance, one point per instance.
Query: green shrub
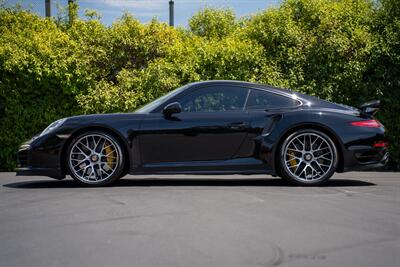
(383, 74)
(40, 73)
(321, 47)
(213, 23)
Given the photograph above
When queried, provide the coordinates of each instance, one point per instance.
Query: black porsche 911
(212, 127)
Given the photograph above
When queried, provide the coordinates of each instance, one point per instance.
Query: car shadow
(277, 182)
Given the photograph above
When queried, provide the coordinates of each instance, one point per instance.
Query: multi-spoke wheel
(308, 157)
(95, 158)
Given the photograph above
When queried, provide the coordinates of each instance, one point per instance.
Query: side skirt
(231, 166)
(244, 172)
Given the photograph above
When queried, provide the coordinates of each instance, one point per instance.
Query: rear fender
(290, 123)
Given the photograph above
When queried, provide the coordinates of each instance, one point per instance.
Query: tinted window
(259, 99)
(211, 99)
(156, 103)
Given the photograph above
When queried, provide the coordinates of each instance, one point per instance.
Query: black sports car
(212, 127)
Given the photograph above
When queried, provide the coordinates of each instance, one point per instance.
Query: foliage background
(345, 51)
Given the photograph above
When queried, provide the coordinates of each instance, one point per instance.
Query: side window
(259, 99)
(213, 98)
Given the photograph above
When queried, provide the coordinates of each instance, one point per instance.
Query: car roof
(317, 102)
(244, 84)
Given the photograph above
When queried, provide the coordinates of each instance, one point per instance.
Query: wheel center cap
(307, 157)
(94, 158)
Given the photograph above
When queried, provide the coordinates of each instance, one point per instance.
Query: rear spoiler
(370, 108)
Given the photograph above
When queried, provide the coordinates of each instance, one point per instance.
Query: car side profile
(212, 127)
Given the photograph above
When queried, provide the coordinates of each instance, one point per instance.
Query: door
(212, 126)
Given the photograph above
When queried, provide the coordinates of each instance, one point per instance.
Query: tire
(307, 157)
(95, 158)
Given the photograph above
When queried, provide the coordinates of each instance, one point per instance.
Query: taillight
(381, 144)
(367, 123)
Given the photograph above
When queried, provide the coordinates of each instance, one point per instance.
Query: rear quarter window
(259, 99)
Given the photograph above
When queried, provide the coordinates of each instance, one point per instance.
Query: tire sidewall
(118, 171)
(289, 177)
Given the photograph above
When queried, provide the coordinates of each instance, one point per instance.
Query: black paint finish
(203, 139)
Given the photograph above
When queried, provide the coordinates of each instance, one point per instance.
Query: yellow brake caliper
(110, 155)
(293, 161)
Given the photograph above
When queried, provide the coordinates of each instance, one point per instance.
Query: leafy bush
(346, 51)
(322, 48)
(383, 74)
(213, 23)
(41, 70)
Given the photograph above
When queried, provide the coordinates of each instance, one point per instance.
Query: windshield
(154, 104)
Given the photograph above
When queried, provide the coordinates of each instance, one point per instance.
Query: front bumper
(40, 157)
(29, 171)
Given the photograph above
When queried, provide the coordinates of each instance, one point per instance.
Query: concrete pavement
(194, 221)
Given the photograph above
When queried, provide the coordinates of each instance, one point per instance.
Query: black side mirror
(172, 108)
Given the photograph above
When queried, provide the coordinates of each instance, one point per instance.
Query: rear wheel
(95, 158)
(308, 157)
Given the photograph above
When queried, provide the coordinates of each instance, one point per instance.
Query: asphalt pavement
(189, 221)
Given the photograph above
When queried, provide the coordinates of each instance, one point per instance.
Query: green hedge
(346, 51)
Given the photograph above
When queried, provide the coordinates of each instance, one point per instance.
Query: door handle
(237, 125)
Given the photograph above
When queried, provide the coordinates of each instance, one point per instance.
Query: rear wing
(370, 108)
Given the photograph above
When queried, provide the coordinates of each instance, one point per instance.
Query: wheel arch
(313, 126)
(110, 131)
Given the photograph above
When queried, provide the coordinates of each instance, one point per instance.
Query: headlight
(53, 126)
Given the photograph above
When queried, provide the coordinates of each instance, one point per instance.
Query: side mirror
(172, 108)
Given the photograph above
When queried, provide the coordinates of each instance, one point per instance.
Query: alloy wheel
(308, 157)
(94, 158)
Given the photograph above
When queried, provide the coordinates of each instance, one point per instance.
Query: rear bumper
(363, 148)
(365, 157)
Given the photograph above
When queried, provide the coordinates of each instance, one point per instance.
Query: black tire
(113, 171)
(289, 171)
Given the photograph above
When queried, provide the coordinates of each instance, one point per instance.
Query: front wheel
(95, 158)
(307, 157)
